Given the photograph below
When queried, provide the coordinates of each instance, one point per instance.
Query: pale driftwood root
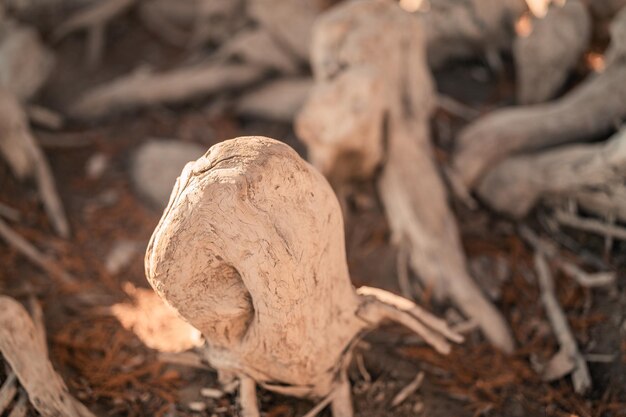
(416, 208)
(289, 21)
(374, 92)
(279, 99)
(9, 213)
(250, 251)
(26, 159)
(21, 406)
(248, 398)
(568, 347)
(44, 117)
(257, 47)
(590, 225)
(31, 253)
(606, 202)
(408, 390)
(22, 347)
(192, 22)
(94, 19)
(549, 250)
(156, 165)
(593, 108)
(515, 185)
(545, 57)
(462, 29)
(144, 90)
(8, 391)
(313, 412)
(25, 62)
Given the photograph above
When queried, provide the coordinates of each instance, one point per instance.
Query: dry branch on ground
(516, 184)
(545, 57)
(26, 159)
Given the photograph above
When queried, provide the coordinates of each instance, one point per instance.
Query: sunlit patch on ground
(155, 323)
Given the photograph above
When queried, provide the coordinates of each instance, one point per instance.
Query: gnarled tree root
(373, 93)
(593, 108)
(250, 251)
(516, 184)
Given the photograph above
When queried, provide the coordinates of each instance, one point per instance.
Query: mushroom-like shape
(250, 251)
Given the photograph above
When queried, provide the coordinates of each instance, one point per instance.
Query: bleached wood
(31, 253)
(545, 57)
(290, 22)
(408, 390)
(567, 342)
(251, 251)
(25, 62)
(141, 89)
(594, 107)
(26, 158)
(515, 185)
(279, 99)
(22, 347)
(371, 106)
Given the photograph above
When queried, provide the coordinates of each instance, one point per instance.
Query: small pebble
(197, 406)
(96, 165)
(211, 393)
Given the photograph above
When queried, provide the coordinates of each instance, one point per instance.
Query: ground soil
(115, 374)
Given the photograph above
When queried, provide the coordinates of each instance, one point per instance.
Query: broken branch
(142, 90)
(567, 342)
(31, 253)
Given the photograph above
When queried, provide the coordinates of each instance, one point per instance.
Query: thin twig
(567, 342)
(44, 117)
(362, 369)
(30, 252)
(189, 359)
(457, 108)
(550, 250)
(408, 390)
(598, 279)
(9, 213)
(37, 315)
(465, 326)
(319, 406)
(590, 225)
(600, 357)
(402, 261)
(21, 406)
(8, 391)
